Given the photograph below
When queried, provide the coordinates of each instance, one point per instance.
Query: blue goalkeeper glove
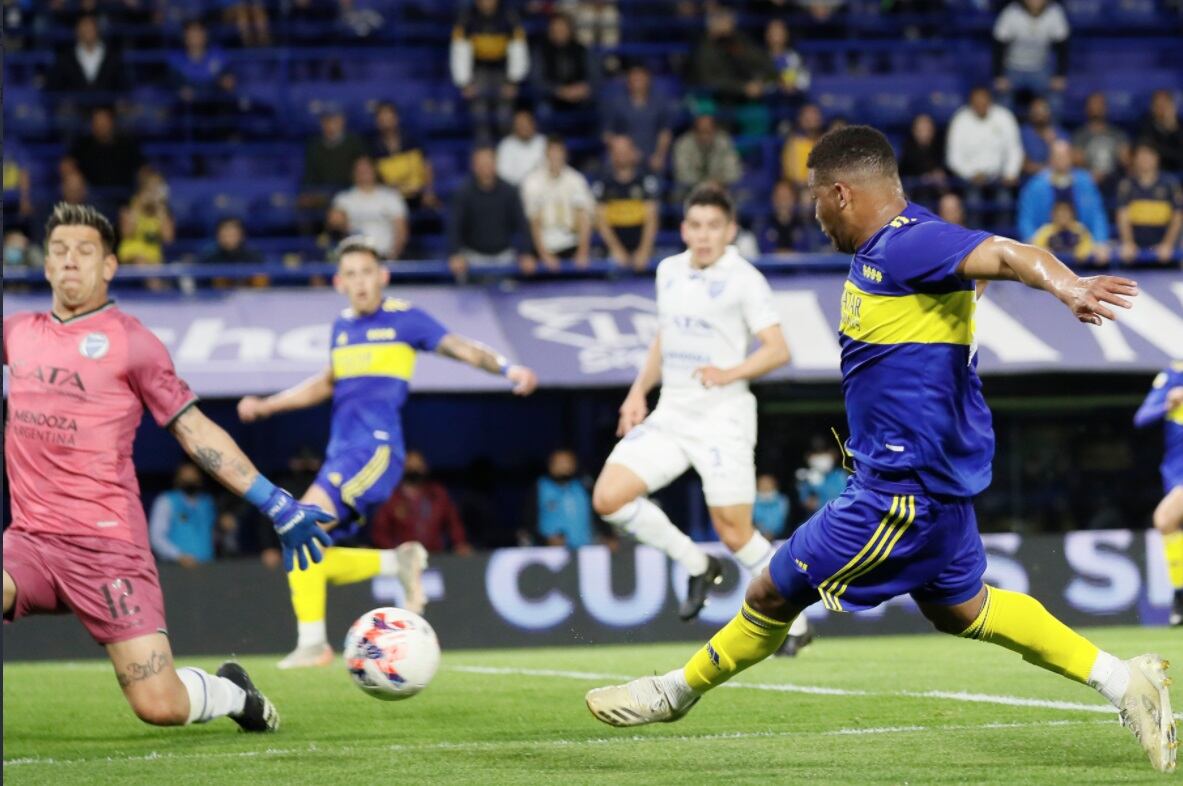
(297, 525)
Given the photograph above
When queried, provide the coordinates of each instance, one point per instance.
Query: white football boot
(307, 657)
(412, 561)
(636, 703)
(1146, 710)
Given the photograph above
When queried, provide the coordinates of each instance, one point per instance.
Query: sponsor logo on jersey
(94, 345)
(61, 422)
(48, 375)
(342, 339)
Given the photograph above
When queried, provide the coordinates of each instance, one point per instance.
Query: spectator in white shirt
(559, 205)
(372, 210)
(522, 151)
(984, 149)
(1026, 34)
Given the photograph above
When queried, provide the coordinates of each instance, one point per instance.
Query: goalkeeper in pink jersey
(80, 377)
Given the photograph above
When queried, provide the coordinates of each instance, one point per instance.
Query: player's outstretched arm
(477, 355)
(1088, 297)
(309, 393)
(636, 406)
(218, 454)
(1161, 400)
(772, 353)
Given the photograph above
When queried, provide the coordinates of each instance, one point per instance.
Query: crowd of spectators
(536, 76)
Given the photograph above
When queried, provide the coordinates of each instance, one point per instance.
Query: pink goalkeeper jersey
(77, 392)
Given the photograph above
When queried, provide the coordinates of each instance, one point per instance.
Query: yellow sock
(1020, 623)
(308, 591)
(746, 640)
(1172, 546)
(349, 566)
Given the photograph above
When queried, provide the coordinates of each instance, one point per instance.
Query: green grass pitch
(907, 709)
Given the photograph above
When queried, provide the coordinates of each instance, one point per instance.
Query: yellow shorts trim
(367, 476)
(876, 550)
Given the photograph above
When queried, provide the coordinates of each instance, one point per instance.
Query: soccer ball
(391, 653)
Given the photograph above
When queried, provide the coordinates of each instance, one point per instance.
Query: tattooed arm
(477, 355)
(214, 451)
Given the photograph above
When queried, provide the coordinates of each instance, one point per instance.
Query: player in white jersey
(711, 303)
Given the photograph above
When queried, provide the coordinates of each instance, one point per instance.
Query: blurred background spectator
(146, 224)
(984, 149)
(770, 513)
(732, 74)
(627, 205)
(372, 210)
(400, 160)
(106, 158)
(522, 151)
(489, 60)
(91, 68)
(705, 152)
(559, 207)
(181, 523)
(787, 229)
(643, 117)
(792, 74)
(329, 157)
(1161, 128)
(1149, 208)
(487, 224)
(1031, 50)
(1101, 147)
(799, 145)
(1064, 236)
(822, 478)
(421, 510)
(563, 504)
(1038, 134)
(1061, 182)
(922, 164)
(230, 246)
(563, 68)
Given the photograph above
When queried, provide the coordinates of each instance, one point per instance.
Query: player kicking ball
(374, 346)
(1165, 403)
(922, 442)
(80, 378)
(711, 303)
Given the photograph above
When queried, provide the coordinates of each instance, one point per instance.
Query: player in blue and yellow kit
(374, 346)
(922, 443)
(1165, 403)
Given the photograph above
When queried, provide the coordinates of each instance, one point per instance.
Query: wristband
(259, 492)
(503, 365)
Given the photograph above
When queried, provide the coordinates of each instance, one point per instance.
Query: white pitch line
(534, 744)
(976, 698)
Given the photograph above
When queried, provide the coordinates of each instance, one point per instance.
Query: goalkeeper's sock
(1020, 623)
(755, 554)
(748, 639)
(308, 601)
(648, 523)
(1172, 546)
(387, 563)
(209, 696)
(350, 565)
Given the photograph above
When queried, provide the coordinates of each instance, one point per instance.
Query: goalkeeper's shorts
(883, 537)
(359, 479)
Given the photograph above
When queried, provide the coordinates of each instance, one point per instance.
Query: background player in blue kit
(374, 346)
(1165, 403)
(922, 443)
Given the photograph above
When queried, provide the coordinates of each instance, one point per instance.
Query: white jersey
(709, 317)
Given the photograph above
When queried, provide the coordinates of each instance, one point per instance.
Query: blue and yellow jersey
(373, 359)
(909, 361)
(1154, 409)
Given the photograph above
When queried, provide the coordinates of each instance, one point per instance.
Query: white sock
(1110, 676)
(648, 523)
(800, 626)
(209, 696)
(755, 554)
(310, 634)
(677, 689)
(387, 563)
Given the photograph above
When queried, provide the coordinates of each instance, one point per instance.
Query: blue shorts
(1171, 478)
(359, 479)
(881, 539)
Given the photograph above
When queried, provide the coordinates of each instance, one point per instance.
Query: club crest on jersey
(94, 345)
(715, 288)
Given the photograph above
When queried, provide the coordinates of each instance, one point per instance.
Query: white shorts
(723, 453)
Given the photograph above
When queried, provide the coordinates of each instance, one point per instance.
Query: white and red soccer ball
(391, 653)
